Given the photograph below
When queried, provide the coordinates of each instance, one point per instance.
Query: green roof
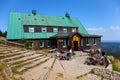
(91, 35)
(18, 20)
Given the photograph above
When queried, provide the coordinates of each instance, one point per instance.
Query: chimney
(34, 12)
(67, 15)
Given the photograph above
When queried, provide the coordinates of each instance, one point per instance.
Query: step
(27, 62)
(4, 52)
(11, 50)
(11, 54)
(24, 59)
(17, 50)
(36, 72)
(26, 67)
(18, 56)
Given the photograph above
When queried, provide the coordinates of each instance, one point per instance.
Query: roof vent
(28, 14)
(34, 12)
(67, 14)
(19, 19)
(42, 19)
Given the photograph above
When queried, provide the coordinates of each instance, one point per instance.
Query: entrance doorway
(75, 45)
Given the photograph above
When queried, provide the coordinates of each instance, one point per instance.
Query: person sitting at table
(68, 56)
(58, 54)
(104, 60)
(91, 60)
(98, 55)
(62, 55)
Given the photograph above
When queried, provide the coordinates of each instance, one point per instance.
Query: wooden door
(75, 45)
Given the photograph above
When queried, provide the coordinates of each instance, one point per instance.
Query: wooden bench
(52, 50)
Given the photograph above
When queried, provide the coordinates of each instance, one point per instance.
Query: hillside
(112, 48)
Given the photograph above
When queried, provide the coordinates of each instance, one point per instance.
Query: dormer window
(44, 29)
(64, 30)
(31, 29)
(55, 29)
(74, 30)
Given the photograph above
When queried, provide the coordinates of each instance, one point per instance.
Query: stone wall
(107, 74)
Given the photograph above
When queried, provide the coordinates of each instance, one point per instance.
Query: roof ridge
(43, 15)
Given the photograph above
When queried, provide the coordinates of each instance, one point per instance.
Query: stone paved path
(71, 69)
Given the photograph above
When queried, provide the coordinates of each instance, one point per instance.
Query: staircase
(20, 61)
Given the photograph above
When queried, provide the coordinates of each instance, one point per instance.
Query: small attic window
(31, 29)
(74, 30)
(19, 19)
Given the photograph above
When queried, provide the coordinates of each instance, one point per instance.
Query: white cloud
(114, 27)
(109, 33)
(96, 30)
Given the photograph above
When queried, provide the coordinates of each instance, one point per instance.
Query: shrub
(116, 64)
(25, 42)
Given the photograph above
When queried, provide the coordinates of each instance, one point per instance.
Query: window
(82, 42)
(31, 29)
(87, 42)
(44, 29)
(26, 28)
(64, 43)
(95, 41)
(41, 43)
(64, 30)
(31, 45)
(48, 43)
(55, 29)
(74, 30)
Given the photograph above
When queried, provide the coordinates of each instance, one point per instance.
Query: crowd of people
(97, 57)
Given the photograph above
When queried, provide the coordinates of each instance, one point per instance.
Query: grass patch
(3, 71)
(45, 50)
(116, 61)
(14, 69)
(116, 64)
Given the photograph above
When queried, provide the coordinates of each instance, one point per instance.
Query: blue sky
(100, 17)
